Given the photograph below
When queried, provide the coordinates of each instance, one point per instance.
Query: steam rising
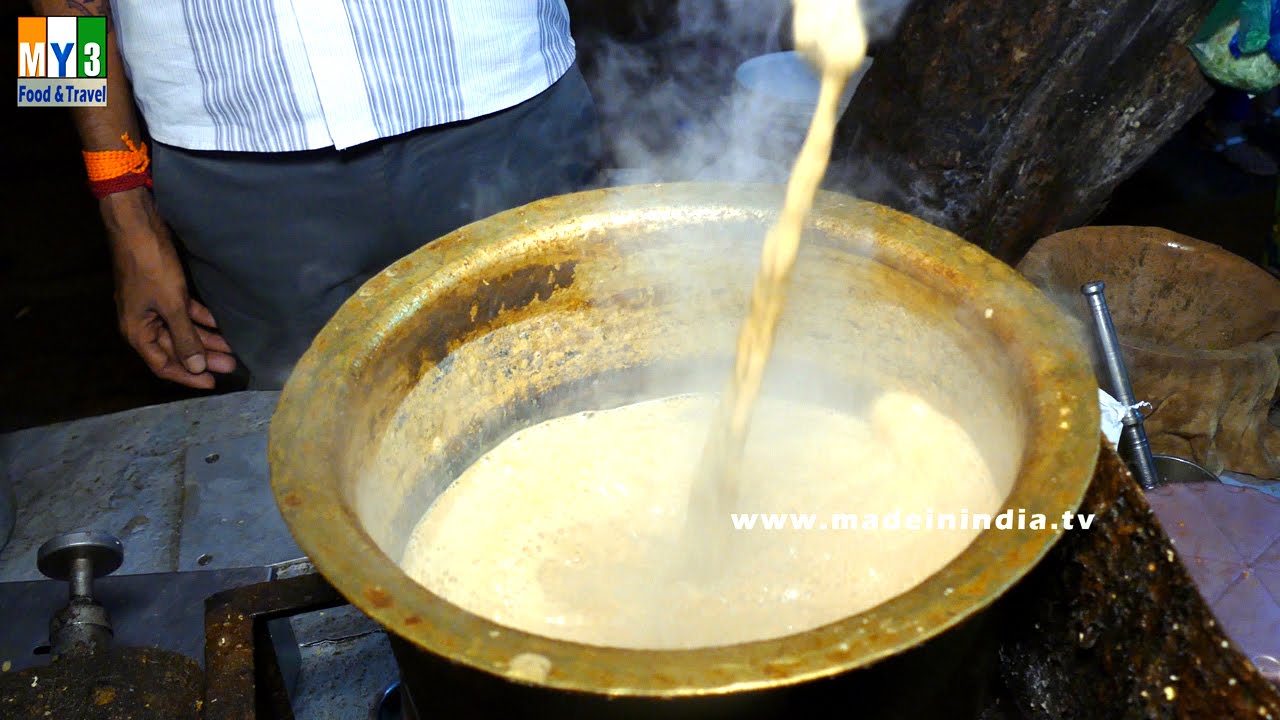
(671, 109)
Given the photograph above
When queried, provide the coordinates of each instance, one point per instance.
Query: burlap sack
(1200, 331)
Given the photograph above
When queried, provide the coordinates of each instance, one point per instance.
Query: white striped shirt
(280, 75)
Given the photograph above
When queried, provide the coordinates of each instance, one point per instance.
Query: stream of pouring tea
(830, 34)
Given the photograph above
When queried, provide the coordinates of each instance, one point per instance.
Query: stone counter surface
(185, 487)
(121, 473)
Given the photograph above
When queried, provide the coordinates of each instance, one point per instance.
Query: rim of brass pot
(305, 441)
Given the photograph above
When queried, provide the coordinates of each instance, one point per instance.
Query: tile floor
(1229, 538)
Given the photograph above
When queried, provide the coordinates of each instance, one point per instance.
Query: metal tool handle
(1134, 435)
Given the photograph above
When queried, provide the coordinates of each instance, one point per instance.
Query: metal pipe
(81, 579)
(1134, 436)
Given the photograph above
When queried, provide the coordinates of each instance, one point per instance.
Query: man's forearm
(100, 128)
(172, 332)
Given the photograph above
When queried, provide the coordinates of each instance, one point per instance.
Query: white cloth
(1112, 416)
(281, 75)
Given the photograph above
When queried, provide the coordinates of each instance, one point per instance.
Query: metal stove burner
(393, 704)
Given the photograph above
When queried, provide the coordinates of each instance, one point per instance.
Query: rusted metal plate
(1111, 625)
(121, 684)
(243, 677)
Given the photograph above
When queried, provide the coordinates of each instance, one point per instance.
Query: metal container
(773, 100)
(599, 298)
(1177, 470)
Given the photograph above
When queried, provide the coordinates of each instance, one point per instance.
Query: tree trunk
(1005, 121)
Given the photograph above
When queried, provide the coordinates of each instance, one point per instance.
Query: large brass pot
(602, 297)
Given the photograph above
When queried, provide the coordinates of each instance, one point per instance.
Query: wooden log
(1006, 121)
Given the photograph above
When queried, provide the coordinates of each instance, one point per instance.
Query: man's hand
(175, 335)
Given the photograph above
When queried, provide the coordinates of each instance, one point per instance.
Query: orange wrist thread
(111, 164)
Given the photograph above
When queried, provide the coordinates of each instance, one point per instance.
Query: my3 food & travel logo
(62, 61)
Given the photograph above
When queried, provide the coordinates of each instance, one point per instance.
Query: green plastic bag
(1254, 71)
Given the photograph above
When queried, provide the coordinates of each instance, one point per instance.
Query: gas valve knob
(83, 626)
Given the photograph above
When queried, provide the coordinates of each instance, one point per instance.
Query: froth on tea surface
(574, 528)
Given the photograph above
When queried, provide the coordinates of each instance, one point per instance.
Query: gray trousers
(275, 242)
